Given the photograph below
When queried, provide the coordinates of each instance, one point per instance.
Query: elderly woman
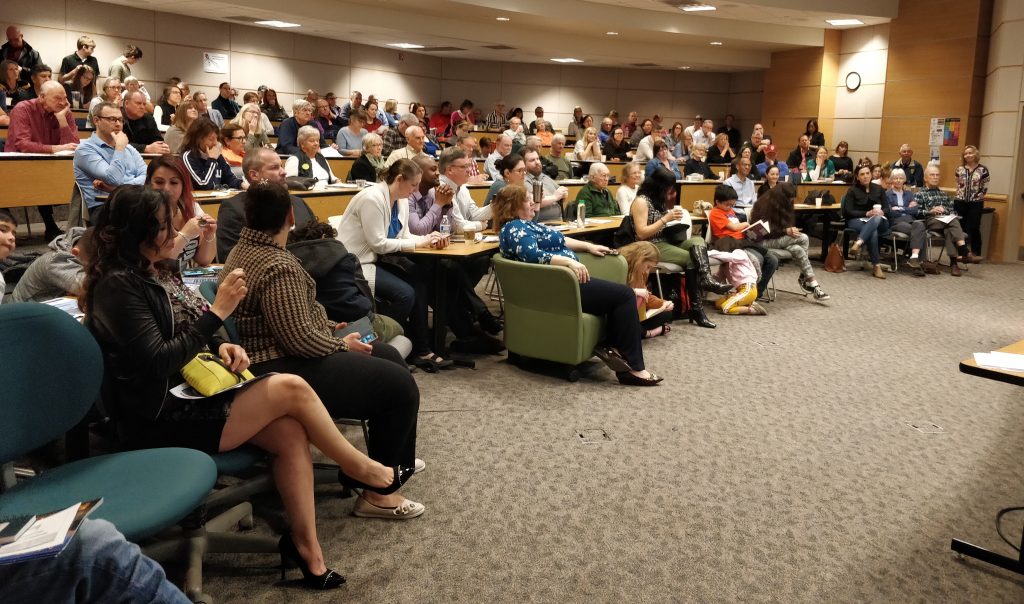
(232, 139)
(697, 164)
(632, 176)
(350, 138)
(903, 215)
(186, 113)
(271, 108)
(164, 112)
(370, 164)
(309, 161)
(203, 156)
(524, 240)
(588, 148)
(288, 132)
(111, 93)
(251, 120)
(391, 112)
(662, 159)
(376, 224)
(132, 84)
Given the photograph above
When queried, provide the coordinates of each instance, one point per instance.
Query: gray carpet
(775, 463)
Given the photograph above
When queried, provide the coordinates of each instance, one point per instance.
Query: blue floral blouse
(532, 242)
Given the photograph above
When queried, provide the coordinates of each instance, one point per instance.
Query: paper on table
(329, 152)
(490, 239)
(948, 218)
(597, 221)
(1000, 360)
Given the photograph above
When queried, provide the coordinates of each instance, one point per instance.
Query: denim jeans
(769, 263)
(868, 233)
(97, 566)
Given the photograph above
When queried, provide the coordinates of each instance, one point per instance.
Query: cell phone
(368, 338)
(202, 222)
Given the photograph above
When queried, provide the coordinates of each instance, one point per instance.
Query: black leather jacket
(132, 322)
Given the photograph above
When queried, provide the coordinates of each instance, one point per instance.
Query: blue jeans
(868, 233)
(97, 566)
(769, 264)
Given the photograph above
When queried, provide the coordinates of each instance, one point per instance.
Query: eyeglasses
(238, 138)
(520, 170)
(111, 119)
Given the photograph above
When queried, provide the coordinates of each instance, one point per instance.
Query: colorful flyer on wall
(951, 132)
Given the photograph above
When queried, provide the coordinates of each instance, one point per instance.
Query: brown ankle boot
(954, 269)
(877, 272)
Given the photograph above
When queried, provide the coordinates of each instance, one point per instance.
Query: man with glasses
(206, 111)
(595, 194)
(106, 160)
(454, 169)
(225, 104)
(72, 64)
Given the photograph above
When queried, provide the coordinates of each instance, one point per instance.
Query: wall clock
(852, 81)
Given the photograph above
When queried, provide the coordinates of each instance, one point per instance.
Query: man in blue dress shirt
(106, 160)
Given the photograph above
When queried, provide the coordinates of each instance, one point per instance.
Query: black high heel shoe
(402, 475)
(290, 558)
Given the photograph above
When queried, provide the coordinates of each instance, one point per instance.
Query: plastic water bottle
(581, 215)
(446, 226)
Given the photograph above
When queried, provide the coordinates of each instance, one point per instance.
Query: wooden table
(324, 203)
(963, 548)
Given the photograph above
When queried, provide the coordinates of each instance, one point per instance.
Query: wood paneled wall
(938, 50)
(799, 86)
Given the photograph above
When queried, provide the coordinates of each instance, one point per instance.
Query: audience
(369, 166)
(454, 169)
(185, 116)
(771, 159)
(225, 102)
(815, 137)
(134, 84)
(655, 314)
(937, 210)
(513, 172)
(632, 176)
(325, 121)
(662, 159)
(254, 124)
(232, 139)
(728, 235)
(697, 164)
(617, 148)
(721, 152)
(143, 133)
(574, 129)
(271, 107)
(394, 138)
(652, 211)
(821, 167)
(350, 137)
(589, 147)
(523, 239)
(595, 195)
(163, 111)
(19, 51)
(206, 111)
(502, 148)
(742, 182)
(121, 67)
(197, 230)
(842, 162)
(802, 153)
(148, 326)
(416, 139)
(972, 180)
(730, 131)
(81, 87)
(39, 75)
(288, 131)
(903, 214)
(354, 102)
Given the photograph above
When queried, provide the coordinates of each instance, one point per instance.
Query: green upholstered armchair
(543, 315)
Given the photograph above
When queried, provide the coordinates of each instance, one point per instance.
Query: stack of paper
(1005, 361)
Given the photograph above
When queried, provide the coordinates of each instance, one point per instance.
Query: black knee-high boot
(699, 253)
(695, 293)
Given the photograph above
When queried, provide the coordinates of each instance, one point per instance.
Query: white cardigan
(363, 228)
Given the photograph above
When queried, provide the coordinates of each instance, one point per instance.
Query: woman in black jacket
(617, 148)
(864, 208)
(370, 165)
(149, 327)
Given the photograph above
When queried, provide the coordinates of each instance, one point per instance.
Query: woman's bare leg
(290, 396)
(292, 465)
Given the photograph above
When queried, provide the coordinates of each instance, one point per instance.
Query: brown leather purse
(834, 262)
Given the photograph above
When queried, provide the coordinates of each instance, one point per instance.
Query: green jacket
(598, 203)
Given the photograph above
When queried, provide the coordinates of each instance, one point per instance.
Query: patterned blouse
(972, 185)
(653, 215)
(532, 242)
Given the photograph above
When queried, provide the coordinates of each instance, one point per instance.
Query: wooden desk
(35, 180)
(969, 366)
(326, 203)
(1016, 378)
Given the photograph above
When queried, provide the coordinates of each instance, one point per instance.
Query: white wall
(290, 63)
(858, 114)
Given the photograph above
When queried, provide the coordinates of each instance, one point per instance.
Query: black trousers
(376, 388)
(617, 302)
(970, 220)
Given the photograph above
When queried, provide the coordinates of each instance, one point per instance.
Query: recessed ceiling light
(276, 23)
(611, 33)
(502, 19)
(716, 43)
(685, 67)
(406, 45)
(567, 60)
(694, 8)
(841, 22)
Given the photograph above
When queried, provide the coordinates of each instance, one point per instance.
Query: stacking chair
(144, 492)
(552, 327)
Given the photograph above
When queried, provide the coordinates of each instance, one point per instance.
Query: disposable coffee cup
(817, 202)
(470, 234)
(721, 175)
(877, 206)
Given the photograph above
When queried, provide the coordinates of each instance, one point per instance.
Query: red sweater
(35, 130)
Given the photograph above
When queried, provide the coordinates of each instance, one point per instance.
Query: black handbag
(675, 233)
(300, 183)
(625, 234)
(826, 197)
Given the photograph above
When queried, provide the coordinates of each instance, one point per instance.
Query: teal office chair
(144, 492)
(544, 318)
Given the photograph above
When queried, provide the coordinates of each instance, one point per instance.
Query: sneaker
(819, 294)
(803, 284)
(914, 263)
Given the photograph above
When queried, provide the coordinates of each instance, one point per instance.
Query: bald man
(416, 139)
(44, 125)
(17, 49)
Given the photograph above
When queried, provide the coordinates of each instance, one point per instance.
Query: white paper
(491, 239)
(1000, 360)
(329, 152)
(948, 218)
(45, 533)
(68, 305)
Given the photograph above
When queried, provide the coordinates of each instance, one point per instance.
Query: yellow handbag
(208, 375)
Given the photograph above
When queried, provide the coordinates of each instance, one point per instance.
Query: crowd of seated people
(290, 279)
